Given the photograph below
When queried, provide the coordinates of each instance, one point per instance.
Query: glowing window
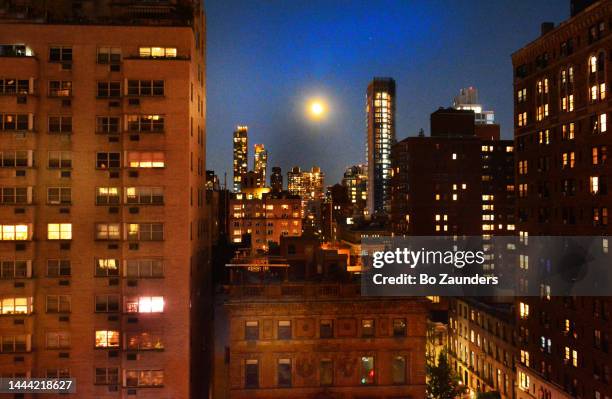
(14, 232)
(19, 305)
(145, 304)
(146, 159)
(107, 339)
(59, 231)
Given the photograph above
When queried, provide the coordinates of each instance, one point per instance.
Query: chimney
(546, 27)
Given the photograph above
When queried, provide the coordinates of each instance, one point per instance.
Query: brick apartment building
(481, 343)
(562, 135)
(102, 150)
(459, 180)
(265, 218)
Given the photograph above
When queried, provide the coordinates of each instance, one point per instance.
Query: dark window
(107, 160)
(398, 370)
(145, 87)
(60, 124)
(399, 327)
(326, 329)
(58, 268)
(284, 372)
(251, 374)
(251, 331)
(60, 54)
(107, 303)
(107, 124)
(326, 372)
(284, 329)
(367, 328)
(109, 89)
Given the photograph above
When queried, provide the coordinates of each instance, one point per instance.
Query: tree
(443, 383)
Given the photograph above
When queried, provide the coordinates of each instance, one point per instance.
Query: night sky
(266, 58)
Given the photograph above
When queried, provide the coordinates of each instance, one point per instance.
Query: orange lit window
(107, 339)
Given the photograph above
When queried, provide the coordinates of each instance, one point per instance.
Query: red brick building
(459, 180)
(562, 135)
(323, 340)
(266, 218)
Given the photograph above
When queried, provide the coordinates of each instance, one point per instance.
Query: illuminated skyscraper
(241, 155)
(380, 112)
(261, 164)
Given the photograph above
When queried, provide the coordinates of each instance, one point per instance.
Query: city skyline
(400, 199)
(318, 59)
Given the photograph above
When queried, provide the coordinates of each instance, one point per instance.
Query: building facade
(103, 153)
(467, 99)
(562, 109)
(481, 343)
(266, 218)
(241, 155)
(380, 116)
(453, 182)
(323, 340)
(308, 185)
(355, 180)
(276, 179)
(260, 164)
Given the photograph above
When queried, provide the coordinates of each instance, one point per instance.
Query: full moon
(316, 109)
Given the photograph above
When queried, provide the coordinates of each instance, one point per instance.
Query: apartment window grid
(16, 159)
(58, 268)
(108, 55)
(108, 160)
(108, 231)
(108, 89)
(60, 88)
(107, 196)
(14, 195)
(106, 376)
(144, 195)
(144, 268)
(144, 378)
(10, 86)
(145, 123)
(59, 160)
(108, 124)
(58, 304)
(57, 340)
(15, 269)
(60, 53)
(106, 267)
(144, 88)
(145, 231)
(59, 195)
(14, 122)
(106, 303)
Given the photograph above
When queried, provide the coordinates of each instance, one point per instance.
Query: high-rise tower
(260, 164)
(104, 268)
(380, 113)
(241, 155)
